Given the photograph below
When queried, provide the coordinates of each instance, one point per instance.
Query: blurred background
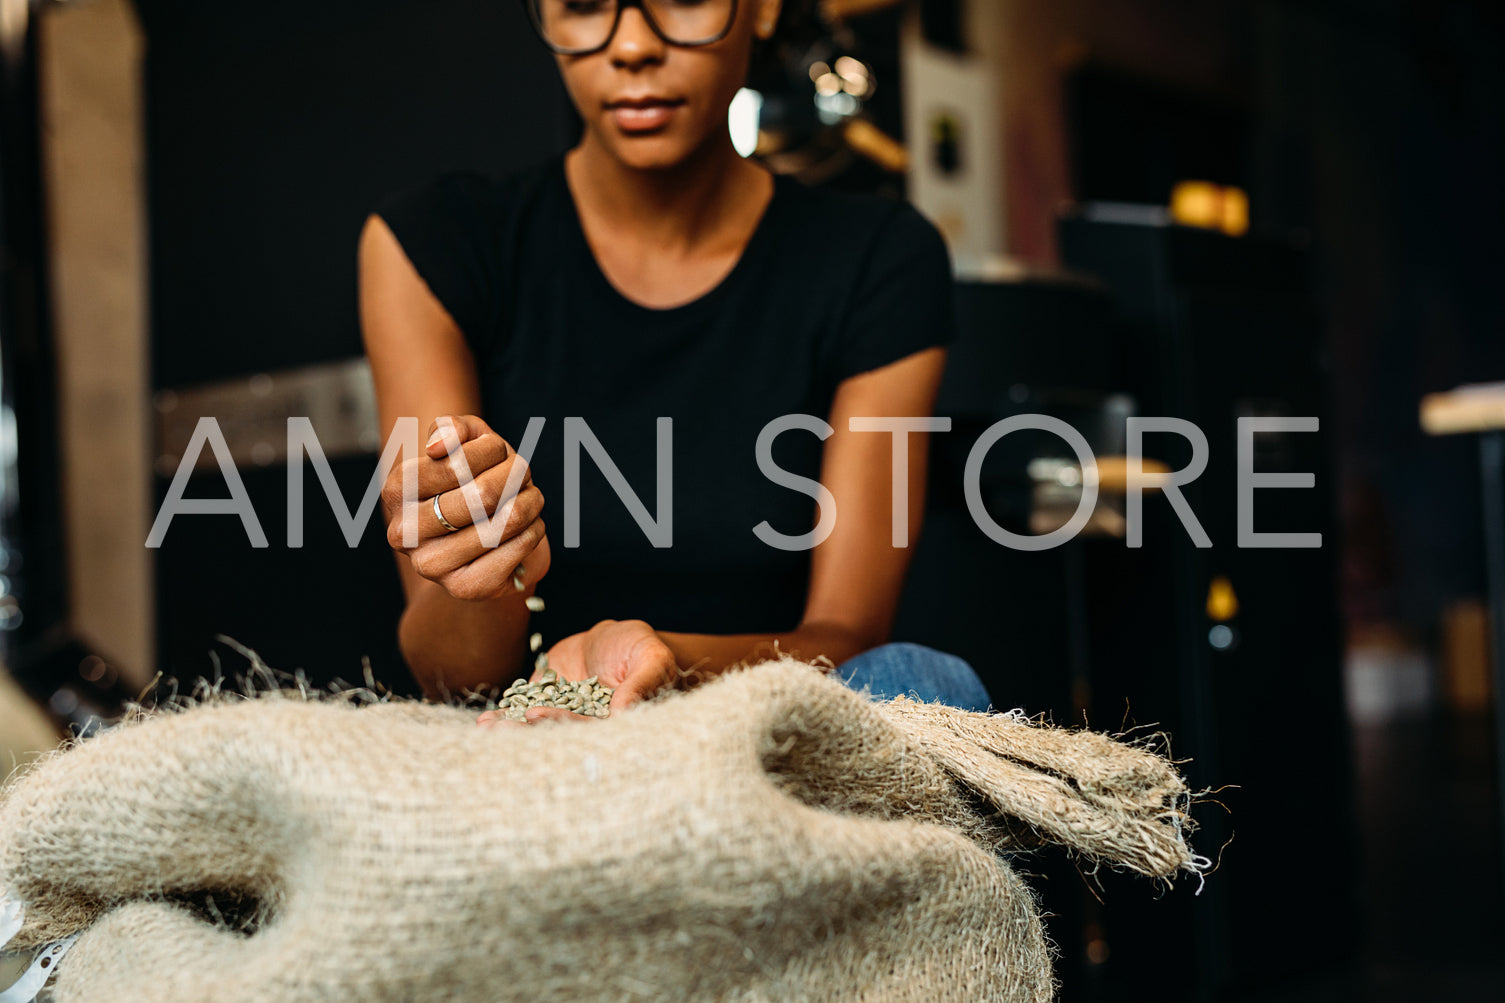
(1203, 209)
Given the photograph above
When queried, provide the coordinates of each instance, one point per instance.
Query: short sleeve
(904, 298)
(448, 228)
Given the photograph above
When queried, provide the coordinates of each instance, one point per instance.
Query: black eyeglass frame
(536, 21)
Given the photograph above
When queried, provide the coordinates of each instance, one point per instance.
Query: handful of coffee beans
(586, 696)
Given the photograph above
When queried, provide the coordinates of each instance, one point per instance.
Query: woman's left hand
(626, 655)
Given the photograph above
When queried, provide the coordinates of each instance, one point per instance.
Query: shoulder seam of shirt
(891, 213)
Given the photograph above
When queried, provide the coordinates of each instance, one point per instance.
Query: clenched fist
(477, 512)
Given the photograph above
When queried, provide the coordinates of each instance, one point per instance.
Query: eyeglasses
(583, 27)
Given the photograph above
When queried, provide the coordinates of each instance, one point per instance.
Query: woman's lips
(647, 115)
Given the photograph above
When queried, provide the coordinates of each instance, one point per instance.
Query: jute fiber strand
(768, 836)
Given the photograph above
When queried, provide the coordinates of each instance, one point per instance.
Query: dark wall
(1373, 128)
(1379, 135)
(273, 128)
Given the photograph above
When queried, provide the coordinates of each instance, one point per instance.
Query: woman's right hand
(469, 469)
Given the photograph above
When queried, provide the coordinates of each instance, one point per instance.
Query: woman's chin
(655, 152)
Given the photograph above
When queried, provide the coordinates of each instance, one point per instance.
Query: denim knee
(925, 674)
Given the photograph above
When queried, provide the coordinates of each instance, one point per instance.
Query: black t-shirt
(829, 285)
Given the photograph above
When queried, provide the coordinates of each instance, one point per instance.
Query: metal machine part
(252, 414)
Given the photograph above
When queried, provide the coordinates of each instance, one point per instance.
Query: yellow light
(1211, 207)
(818, 69)
(851, 70)
(1235, 212)
(1222, 602)
(1197, 203)
(828, 85)
(854, 76)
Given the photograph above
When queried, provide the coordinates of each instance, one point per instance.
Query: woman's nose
(635, 41)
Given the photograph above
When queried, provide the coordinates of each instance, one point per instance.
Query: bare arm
(856, 574)
(469, 632)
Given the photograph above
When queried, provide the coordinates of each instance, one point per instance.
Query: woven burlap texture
(769, 836)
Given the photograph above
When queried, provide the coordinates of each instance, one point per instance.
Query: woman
(653, 273)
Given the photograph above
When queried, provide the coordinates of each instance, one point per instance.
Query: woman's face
(653, 105)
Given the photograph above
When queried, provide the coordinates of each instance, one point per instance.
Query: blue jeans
(913, 670)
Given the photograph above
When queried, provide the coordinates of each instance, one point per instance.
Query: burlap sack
(770, 836)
